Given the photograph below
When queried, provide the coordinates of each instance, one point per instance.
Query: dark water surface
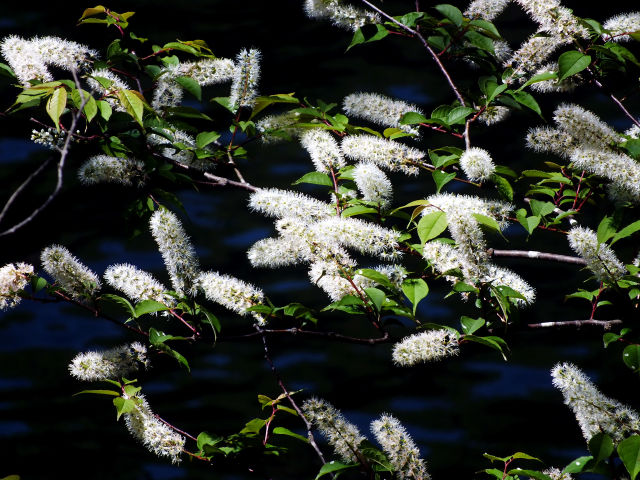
(455, 410)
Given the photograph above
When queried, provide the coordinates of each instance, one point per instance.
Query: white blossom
(13, 279)
(155, 435)
(29, 58)
(621, 25)
(177, 252)
(600, 258)
(71, 275)
(110, 92)
(344, 16)
(106, 169)
(343, 436)
(380, 109)
(245, 79)
(494, 114)
(549, 139)
(230, 292)
(428, 346)
(110, 364)
(274, 202)
(388, 154)
(594, 412)
(533, 52)
(283, 123)
(552, 85)
(137, 284)
(374, 185)
(324, 150)
(401, 450)
(477, 164)
(486, 9)
(556, 474)
(585, 126)
(622, 170)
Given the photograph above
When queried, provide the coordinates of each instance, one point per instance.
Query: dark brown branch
(310, 333)
(605, 324)
(308, 425)
(536, 255)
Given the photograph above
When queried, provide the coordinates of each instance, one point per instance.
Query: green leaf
(486, 221)
(541, 77)
(462, 287)
(524, 456)
(496, 343)
(334, 466)
(458, 115)
(56, 104)
(606, 229)
(105, 109)
(629, 452)
(572, 62)
(540, 209)
(123, 302)
(132, 103)
(357, 210)
(411, 118)
(526, 99)
(601, 447)
(376, 276)
(289, 433)
(578, 465)
(479, 40)
(315, 178)
(191, 86)
(99, 392)
(149, 306)
(470, 325)
(431, 225)
(489, 86)
(205, 138)
(90, 109)
(452, 13)
(415, 289)
(529, 473)
(38, 283)
(529, 223)
(376, 296)
(631, 357)
(89, 12)
(441, 178)
(626, 231)
(206, 438)
(504, 187)
(610, 337)
(181, 47)
(254, 426)
(123, 405)
(487, 26)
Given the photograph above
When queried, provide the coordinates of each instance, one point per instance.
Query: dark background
(455, 410)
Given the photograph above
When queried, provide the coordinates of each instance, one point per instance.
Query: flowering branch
(537, 255)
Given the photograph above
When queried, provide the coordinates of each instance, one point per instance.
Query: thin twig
(267, 357)
(64, 151)
(22, 186)
(386, 338)
(553, 257)
(424, 42)
(615, 99)
(605, 324)
(173, 427)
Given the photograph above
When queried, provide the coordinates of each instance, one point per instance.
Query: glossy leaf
(471, 325)
(631, 357)
(415, 289)
(132, 103)
(572, 62)
(56, 104)
(431, 225)
(334, 467)
(315, 178)
(289, 433)
(629, 452)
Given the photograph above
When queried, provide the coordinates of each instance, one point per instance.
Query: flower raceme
(106, 169)
(324, 150)
(388, 154)
(245, 79)
(594, 411)
(429, 346)
(380, 109)
(374, 185)
(136, 284)
(344, 16)
(231, 293)
(13, 278)
(477, 164)
(70, 274)
(29, 58)
(109, 364)
(600, 258)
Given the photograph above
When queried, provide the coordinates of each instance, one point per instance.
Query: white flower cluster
(380, 109)
(168, 92)
(594, 411)
(245, 79)
(231, 293)
(13, 278)
(177, 252)
(373, 184)
(343, 436)
(344, 16)
(71, 275)
(494, 114)
(179, 147)
(590, 145)
(324, 150)
(600, 258)
(284, 123)
(620, 26)
(469, 255)
(137, 284)
(106, 169)
(29, 58)
(429, 346)
(532, 53)
(486, 9)
(309, 234)
(109, 364)
(401, 450)
(388, 154)
(556, 474)
(110, 91)
(154, 434)
(49, 137)
(477, 164)
(547, 86)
